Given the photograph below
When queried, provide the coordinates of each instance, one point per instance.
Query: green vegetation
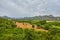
(8, 30)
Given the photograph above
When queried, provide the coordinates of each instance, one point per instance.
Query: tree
(43, 22)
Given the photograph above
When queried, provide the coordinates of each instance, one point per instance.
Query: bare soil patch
(29, 26)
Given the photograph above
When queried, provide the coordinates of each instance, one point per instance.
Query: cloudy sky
(23, 8)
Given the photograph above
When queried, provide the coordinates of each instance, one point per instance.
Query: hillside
(10, 30)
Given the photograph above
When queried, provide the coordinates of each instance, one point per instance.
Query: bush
(8, 31)
(47, 26)
(43, 22)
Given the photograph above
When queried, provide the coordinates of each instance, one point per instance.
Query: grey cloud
(22, 8)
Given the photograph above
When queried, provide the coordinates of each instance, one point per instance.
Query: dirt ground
(29, 26)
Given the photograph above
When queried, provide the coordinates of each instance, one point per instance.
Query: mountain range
(45, 17)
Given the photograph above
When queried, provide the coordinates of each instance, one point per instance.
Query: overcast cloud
(23, 8)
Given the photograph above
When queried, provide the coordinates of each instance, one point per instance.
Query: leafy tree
(43, 22)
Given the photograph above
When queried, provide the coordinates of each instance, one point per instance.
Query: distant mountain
(6, 17)
(45, 17)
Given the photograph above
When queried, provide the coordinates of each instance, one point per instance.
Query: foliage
(47, 26)
(43, 22)
(8, 31)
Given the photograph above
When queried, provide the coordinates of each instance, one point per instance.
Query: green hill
(8, 31)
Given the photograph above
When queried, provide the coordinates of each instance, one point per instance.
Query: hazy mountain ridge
(45, 17)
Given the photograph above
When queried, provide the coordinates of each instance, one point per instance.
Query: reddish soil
(29, 26)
